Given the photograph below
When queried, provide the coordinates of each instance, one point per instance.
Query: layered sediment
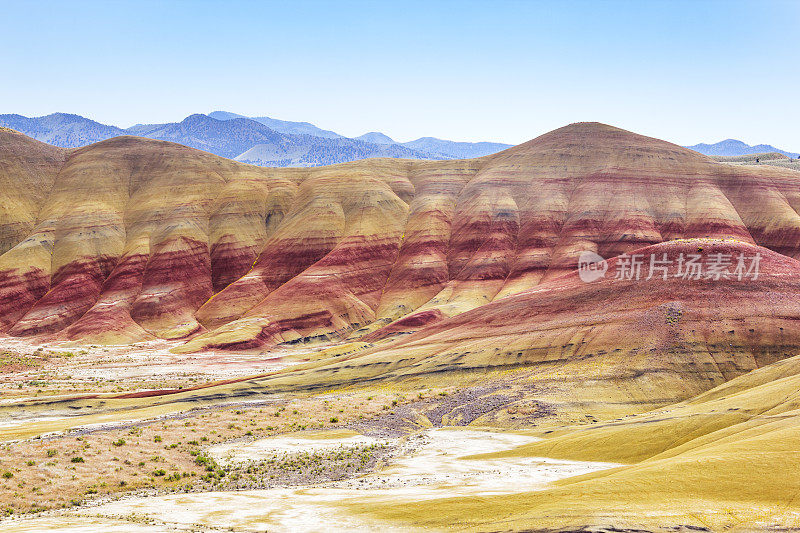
(132, 239)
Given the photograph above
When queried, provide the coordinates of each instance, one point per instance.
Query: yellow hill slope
(727, 459)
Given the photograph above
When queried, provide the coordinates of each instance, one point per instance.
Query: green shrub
(77, 460)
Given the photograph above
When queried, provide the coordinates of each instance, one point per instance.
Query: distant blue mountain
(282, 126)
(260, 140)
(227, 138)
(242, 139)
(455, 150)
(733, 147)
(62, 129)
(437, 148)
(251, 141)
(377, 138)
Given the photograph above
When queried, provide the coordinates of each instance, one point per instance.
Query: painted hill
(184, 243)
(483, 229)
(732, 147)
(647, 340)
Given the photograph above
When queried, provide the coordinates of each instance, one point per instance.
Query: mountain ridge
(281, 126)
(261, 141)
(735, 147)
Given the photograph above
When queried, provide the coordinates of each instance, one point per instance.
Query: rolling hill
(376, 247)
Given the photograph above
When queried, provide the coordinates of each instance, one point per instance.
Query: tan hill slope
(723, 460)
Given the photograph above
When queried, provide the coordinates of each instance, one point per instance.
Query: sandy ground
(240, 452)
(51, 369)
(433, 466)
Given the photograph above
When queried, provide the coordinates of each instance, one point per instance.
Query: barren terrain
(191, 343)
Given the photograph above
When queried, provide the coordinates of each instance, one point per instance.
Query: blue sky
(506, 71)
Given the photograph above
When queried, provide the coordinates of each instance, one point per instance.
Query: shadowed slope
(28, 171)
(656, 340)
(125, 229)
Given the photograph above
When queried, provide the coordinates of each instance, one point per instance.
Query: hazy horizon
(504, 72)
(708, 142)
